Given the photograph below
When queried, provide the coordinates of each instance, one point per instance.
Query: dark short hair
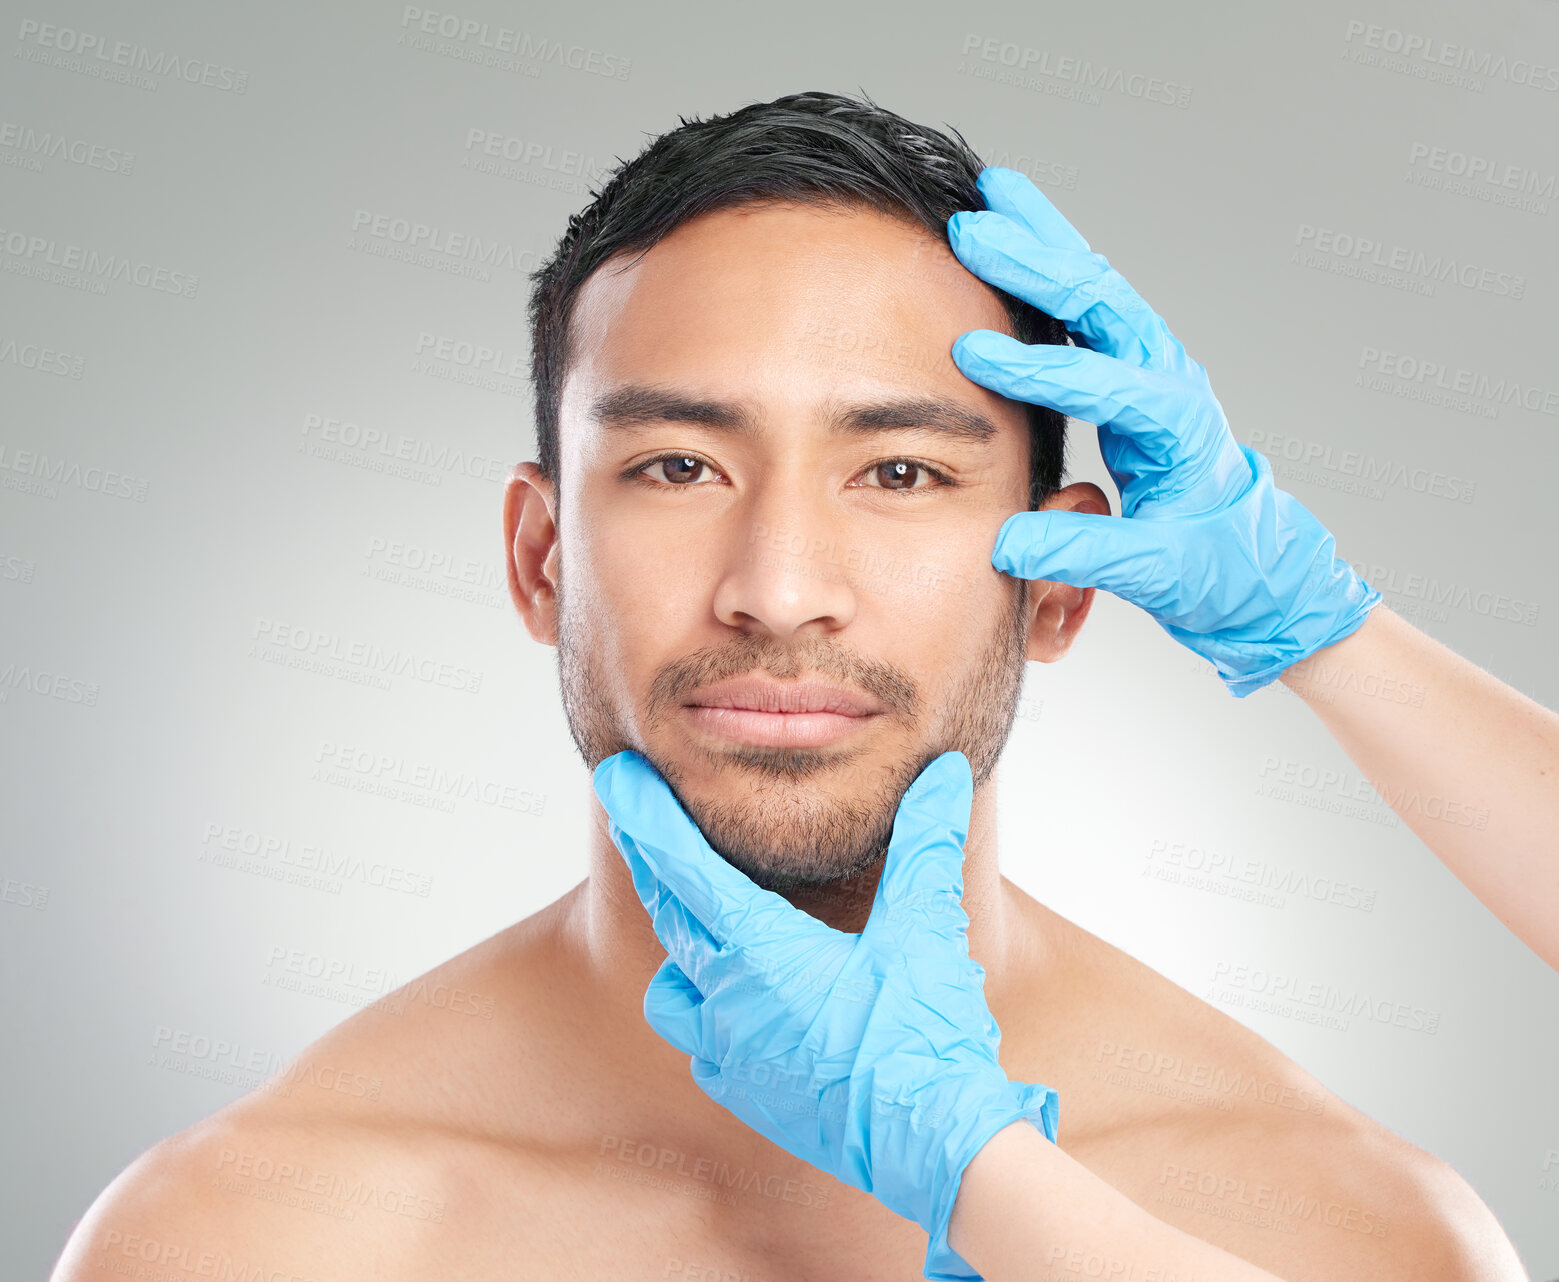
(820, 148)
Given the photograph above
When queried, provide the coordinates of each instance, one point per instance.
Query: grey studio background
(277, 440)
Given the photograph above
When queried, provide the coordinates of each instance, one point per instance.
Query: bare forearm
(1028, 1212)
(1470, 765)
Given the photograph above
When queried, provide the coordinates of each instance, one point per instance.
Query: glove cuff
(1039, 1106)
(1240, 686)
(1326, 599)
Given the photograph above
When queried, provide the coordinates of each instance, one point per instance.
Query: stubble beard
(809, 817)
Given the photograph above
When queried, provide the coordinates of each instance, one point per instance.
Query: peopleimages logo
(310, 864)
(1311, 461)
(665, 1163)
(531, 153)
(45, 360)
(1481, 178)
(1461, 164)
(1415, 48)
(337, 763)
(1428, 590)
(1426, 269)
(1456, 387)
(486, 43)
(1258, 875)
(1025, 60)
(431, 241)
(1321, 996)
(278, 641)
(96, 55)
(342, 440)
(25, 142)
(1041, 170)
(50, 685)
(28, 255)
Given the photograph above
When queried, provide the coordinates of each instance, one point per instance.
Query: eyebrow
(635, 405)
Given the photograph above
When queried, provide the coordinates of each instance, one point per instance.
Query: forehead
(784, 302)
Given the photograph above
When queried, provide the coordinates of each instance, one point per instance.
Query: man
(760, 534)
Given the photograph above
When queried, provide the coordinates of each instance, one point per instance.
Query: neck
(623, 952)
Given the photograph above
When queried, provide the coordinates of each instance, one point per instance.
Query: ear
(530, 539)
(1057, 610)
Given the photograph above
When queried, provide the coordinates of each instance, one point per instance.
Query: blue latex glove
(1229, 565)
(872, 1056)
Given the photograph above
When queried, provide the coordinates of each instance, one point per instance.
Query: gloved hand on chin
(876, 1051)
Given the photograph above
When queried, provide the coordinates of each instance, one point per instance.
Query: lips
(790, 697)
(797, 714)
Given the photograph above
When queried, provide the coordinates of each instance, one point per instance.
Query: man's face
(826, 524)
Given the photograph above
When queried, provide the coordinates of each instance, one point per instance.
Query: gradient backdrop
(262, 354)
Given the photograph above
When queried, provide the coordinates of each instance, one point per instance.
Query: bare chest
(627, 1206)
(654, 1212)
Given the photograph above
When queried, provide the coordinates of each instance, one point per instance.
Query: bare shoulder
(1332, 1195)
(253, 1196)
(1210, 1127)
(373, 1153)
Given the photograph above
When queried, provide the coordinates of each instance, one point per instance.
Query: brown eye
(678, 469)
(899, 474)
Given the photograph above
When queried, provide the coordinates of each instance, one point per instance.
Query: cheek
(929, 587)
(633, 586)
(924, 575)
(913, 589)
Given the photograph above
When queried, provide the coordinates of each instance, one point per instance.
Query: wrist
(1029, 1107)
(1348, 607)
(1311, 597)
(1012, 1149)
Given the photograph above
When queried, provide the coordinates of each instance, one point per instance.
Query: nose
(787, 568)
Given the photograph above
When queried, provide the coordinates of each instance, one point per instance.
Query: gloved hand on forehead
(1228, 564)
(873, 1055)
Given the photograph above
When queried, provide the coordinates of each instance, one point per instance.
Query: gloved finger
(1138, 561)
(922, 882)
(1079, 289)
(1160, 438)
(671, 1006)
(1009, 192)
(725, 901)
(707, 1077)
(1087, 385)
(1042, 1107)
(681, 934)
